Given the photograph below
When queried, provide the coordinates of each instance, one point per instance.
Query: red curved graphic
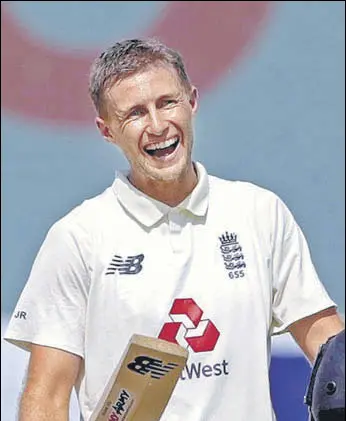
(43, 82)
(211, 35)
(205, 342)
(189, 308)
(170, 331)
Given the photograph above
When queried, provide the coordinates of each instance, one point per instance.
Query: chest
(221, 264)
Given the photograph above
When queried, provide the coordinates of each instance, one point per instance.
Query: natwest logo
(188, 326)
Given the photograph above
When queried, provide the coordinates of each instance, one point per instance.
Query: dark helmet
(326, 391)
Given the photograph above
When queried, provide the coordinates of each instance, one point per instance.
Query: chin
(171, 173)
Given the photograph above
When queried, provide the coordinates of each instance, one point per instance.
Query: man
(166, 241)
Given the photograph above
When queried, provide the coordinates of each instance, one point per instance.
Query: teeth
(162, 145)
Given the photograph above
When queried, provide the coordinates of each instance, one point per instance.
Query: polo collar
(149, 211)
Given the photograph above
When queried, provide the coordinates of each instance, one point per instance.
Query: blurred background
(271, 77)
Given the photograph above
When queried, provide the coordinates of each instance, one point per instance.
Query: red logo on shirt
(187, 325)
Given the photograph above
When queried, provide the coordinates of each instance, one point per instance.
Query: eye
(136, 112)
(167, 102)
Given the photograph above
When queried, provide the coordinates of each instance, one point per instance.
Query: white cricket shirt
(220, 273)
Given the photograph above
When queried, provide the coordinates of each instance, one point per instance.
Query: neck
(170, 192)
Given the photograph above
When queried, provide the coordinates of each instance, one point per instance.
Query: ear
(104, 129)
(194, 99)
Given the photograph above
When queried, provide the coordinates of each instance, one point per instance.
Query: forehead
(146, 85)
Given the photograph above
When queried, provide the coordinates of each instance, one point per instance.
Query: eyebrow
(126, 111)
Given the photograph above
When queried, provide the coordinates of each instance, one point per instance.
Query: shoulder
(244, 192)
(250, 202)
(87, 216)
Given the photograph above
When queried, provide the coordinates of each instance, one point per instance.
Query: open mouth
(163, 149)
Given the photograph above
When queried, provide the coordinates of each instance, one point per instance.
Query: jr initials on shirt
(20, 315)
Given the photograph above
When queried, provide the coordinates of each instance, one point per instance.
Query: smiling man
(170, 251)
(149, 116)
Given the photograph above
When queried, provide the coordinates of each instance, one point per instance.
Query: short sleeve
(297, 289)
(51, 310)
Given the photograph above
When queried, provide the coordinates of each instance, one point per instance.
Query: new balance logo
(131, 265)
(144, 365)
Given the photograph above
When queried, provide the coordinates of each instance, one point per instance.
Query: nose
(157, 124)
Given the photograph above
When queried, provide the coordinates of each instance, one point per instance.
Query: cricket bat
(143, 381)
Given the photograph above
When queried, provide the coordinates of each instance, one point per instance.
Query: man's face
(150, 119)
